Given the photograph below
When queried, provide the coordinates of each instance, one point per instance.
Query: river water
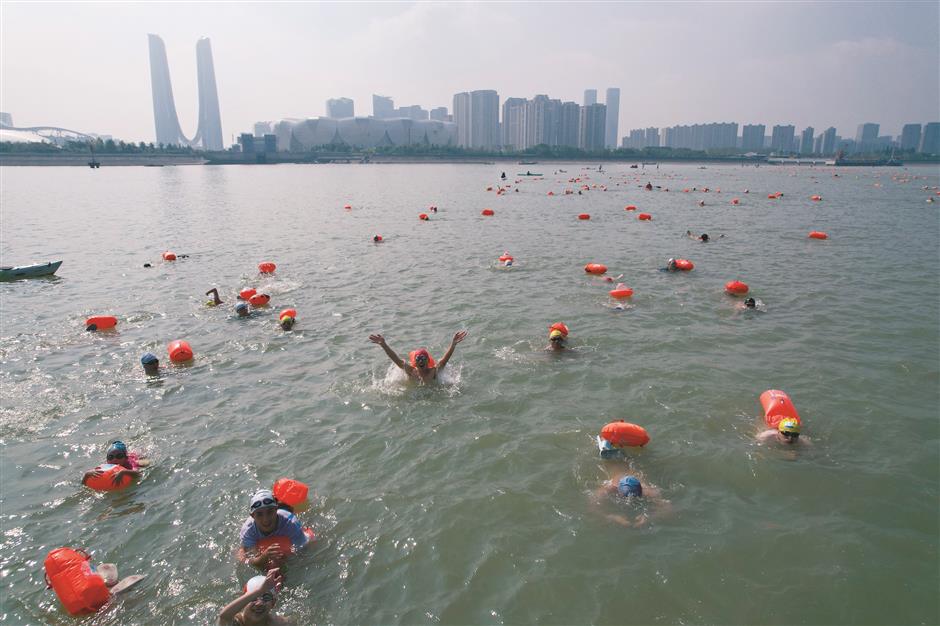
(472, 502)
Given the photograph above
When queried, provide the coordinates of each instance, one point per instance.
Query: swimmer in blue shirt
(267, 520)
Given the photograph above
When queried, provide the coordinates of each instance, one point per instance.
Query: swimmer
(241, 309)
(503, 176)
(702, 202)
(151, 364)
(507, 263)
(433, 209)
(556, 341)
(255, 607)
(649, 186)
(216, 300)
(787, 432)
(749, 303)
(377, 239)
(630, 487)
(420, 371)
(610, 279)
(670, 266)
(704, 238)
(117, 454)
(286, 322)
(147, 265)
(267, 520)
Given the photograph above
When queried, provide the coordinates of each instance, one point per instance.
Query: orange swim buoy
(266, 267)
(347, 206)
(244, 294)
(105, 482)
(584, 216)
(559, 326)
(595, 268)
(815, 198)
(505, 256)
(423, 217)
(736, 288)
(735, 201)
(169, 256)
(621, 434)
(620, 292)
(414, 353)
(771, 196)
(259, 299)
(818, 234)
(377, 239)
(79, 589)
(180, 351)
(101, 322)
(644, 216)
(629, 207)
(287, 313)
(685, 265)
(290, 492)
(777, 407)
(282, 542)
(550, 193)
(487, 212)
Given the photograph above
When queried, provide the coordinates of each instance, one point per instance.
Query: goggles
(116, 455)
(263, 503)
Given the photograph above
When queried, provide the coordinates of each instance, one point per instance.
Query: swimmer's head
(789, 429)
(149, 358)
(630, 486)
(262, 499)
(750, 303)
(704, 236)
(671, 264)
(287, 322)
(241, 309)
(117, 451)
(556, 336)
(422, 357)
(263, 603)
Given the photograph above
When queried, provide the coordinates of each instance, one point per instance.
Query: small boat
(29, 271)
(528, 162)
(634, 166)
(528, 174)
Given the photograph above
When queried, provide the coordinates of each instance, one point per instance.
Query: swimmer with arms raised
(421, 369)
(628, 486)
(255, 607)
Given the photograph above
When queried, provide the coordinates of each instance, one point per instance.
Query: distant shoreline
(160, 160)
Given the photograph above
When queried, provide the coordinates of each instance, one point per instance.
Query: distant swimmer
(649, 186)
(750, 303)
(671, 266)
(151, 364)
(421, 366)
(216, 300)
(255, 607)
(118, 454)
(241, 309)
(787, 432)
(266, 521)
(701, 203)
(557, 337)
(503, 176)
(630, 487)
(286, 322)
(704, 238)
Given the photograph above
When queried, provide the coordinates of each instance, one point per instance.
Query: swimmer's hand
(272, 580)
(95, 473)
(379, 339)
(459, 336)
(620, 519)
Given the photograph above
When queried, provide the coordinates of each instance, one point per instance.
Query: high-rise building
(166, 122)
(781, 138)
(569, 124)
(593, 122)
(339, 108)
(817, 144)
(262, 128)
(383, 107)
(484, 119)
(413, 112)
(866, 137)
(613, 117)
(752, 137)
(806, 140)
(542, 121)
(829, 142)
(439, 114)
(590, 97)
(514, 123)
(930, 139)
(640, 138)
(910, 137)
(462, 118)
(6, 119)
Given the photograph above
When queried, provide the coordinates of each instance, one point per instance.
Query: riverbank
(106, 160)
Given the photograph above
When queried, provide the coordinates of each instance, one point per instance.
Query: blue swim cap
(630, 486)
(241, 306)
(117, 446)
(149, 358)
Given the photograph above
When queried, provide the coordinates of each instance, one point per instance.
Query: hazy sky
(85, 66)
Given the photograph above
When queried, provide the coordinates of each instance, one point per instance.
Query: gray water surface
(470, 502)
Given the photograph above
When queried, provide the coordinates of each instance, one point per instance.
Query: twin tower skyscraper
(167, 124)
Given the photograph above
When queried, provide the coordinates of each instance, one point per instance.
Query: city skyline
(709, 62)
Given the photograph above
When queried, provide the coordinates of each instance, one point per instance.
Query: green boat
(529, 174)
(29, 271)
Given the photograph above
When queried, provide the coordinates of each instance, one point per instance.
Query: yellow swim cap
(789, 425)
(556, 333)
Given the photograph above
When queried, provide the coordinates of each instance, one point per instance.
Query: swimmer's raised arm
(458, 337)
(379, 339)
(215, 296)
